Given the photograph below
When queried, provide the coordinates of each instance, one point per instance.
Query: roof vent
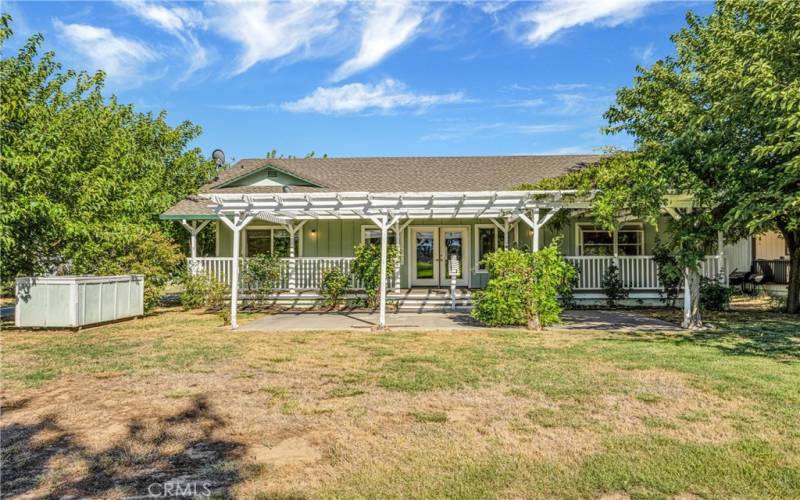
(272, 173)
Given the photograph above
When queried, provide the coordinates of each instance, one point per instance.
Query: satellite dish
(219, 157)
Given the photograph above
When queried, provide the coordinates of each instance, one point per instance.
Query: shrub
(261, 274)
(367, 268)
(334, 284)
(669, 273)
(523, 288)
(201, 290)
(154, 255)
(613, 286)
(565, 291)
(714, 296)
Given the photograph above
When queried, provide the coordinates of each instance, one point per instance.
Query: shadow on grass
(764, 334)
(176, 453)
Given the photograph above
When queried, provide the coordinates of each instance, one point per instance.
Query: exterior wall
(337, 238)
(738, 255)
(770, 245)
(262, 178)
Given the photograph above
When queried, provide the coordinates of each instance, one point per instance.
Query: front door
(431, 249)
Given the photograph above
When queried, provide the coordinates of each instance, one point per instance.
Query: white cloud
(177, 21)
(552, 16)
(460, 131)
(271, 30)
(644, 54)
(243, 107)
(354, 97)
(388, 24)
(121, 58)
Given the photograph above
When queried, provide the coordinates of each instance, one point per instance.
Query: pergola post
(194, 230)
(293, 231)
(384, 241)
(722, 264)
(384, 223)
(236, 227)
(537, 222)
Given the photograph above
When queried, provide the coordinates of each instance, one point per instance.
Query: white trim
(216, 240)
(579, 228)
(477, 246)
(439, 264)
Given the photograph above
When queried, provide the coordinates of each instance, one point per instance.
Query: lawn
(108, 411)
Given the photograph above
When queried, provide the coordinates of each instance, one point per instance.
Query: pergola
(385, 210)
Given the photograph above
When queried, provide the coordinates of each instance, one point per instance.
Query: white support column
(384, 223)
(194, 230)
(687, 297)
(536, 228)
(537, 223)
(615, 236)
(293, 232)
(236, 227)
(384, 234)
(722, 265)
(505, 234)
(235, 273)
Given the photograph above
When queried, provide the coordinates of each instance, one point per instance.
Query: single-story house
(313, 212)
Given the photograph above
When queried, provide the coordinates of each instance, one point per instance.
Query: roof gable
(267, 174)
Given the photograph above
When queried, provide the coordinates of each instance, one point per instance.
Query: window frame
(635, 227)
(476, 241)
(271, 228)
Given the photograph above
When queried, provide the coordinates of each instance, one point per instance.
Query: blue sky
(368, 79)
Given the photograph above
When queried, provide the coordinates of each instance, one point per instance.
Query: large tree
(719, 120)
(84, 177)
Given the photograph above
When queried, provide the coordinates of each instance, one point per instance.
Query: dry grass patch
(476, 414)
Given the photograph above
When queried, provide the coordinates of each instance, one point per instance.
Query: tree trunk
(534, 323)
(692, 320)
(793, 297)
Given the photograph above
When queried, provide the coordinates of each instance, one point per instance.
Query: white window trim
(476, 245)
(260, 227)
(637, 227)
(397, 242)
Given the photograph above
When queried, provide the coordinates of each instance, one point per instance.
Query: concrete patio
(572, 320)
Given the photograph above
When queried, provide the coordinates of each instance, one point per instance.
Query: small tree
(523, 288)
(613, 286)
(262, 273)
(334, 284)
(367, 268)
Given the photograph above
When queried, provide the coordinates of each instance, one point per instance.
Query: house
(313, 212)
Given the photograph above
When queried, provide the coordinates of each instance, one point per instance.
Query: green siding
(337, 238)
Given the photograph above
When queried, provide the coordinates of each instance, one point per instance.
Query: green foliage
(334, 284)
(367, 268)
(153, 254)
(670, 274)
(613, 286)
(523, 287)
(202, 290)
(262, 273)
(721, 120)
(714, 296)
(83, 176)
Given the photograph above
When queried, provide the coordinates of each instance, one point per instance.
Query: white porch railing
(308, 271)
(638, 272)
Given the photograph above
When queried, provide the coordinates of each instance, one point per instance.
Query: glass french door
(432, 248)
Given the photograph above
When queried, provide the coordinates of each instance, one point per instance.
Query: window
(372, 236)
(486, 242)
(597, 241)
(266, 241)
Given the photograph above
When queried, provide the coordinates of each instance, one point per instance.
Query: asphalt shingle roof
(395, 174)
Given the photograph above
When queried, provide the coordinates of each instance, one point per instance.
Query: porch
(434, 231)
(299, 274)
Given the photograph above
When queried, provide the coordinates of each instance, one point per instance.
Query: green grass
(517, 414)
(429, 416)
